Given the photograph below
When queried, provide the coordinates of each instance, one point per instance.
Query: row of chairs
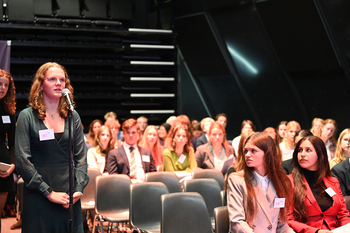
(158, 205)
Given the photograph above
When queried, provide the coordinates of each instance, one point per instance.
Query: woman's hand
(8, 172)
(59, 198)
(76, 197)
(324, 231)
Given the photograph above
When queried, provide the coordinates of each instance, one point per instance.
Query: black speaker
(67, 8)
(120, 10)
(95, 9)
(42, 8)
(19, 10)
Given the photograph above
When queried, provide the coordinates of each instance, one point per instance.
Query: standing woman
(343, 148)
(179, 156)
(42, 157)
(328, 136)
(97, 155)
(258, 195)
(318, 202)
(7, 129)
(150, 140)
(287, 146)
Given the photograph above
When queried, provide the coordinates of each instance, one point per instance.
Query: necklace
(51, 115)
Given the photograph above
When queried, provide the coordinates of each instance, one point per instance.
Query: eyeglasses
(54, 80)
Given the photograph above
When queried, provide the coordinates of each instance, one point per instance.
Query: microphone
(65, 93)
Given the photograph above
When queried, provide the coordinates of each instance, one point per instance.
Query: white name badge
(279, 202)
(6, 119)
(145, 158)
(46, 134)
(182, 158)
(330, 192)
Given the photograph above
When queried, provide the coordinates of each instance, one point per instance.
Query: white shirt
(286, 153)
(140, 173)
(263, 181)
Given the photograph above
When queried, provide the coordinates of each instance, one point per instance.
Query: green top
(172, 163)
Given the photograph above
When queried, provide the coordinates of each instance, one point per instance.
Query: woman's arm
(80, 161)
(236, 195)
(167, 159)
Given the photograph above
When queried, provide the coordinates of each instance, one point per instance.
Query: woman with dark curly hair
(42, 156)
(7, 129)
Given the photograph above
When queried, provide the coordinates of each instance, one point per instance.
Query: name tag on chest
(6, 119)
(46, 134)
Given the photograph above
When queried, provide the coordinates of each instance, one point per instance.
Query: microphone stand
(71, 174)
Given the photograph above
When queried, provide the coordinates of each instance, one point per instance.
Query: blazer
(336, 216)
(118, 163)
(267, 219)
(205, 159)
(342, 172)
(201, 140)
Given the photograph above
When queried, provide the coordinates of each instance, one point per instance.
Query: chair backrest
(184, 212)
(347, 202)
(90, 189)
(222, 224)
(170, 179)
(112, 194)
(145, 204)
(209, 189)
(209, 173)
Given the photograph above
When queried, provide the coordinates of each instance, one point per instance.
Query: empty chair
(168, 178)
(145, 205)
(209, 173)
(112, 199)
(209, 189)
(184, 212)
(222, 224)
(88, 198)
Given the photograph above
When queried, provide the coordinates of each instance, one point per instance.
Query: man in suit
(342, 172)
(205, 125)
(130, 159)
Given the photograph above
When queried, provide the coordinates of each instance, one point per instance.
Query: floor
(6, 224)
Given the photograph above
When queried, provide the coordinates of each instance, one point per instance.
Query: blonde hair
(157, 149)
(338, 157)
(97, 142)
(318, 134)
(333, 122)
(290, 125)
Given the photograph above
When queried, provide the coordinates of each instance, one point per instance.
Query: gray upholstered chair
(210, 190)
(168, 178)
(184, 212)
(145, 206)
(112, 200)
(209, 173)
(222, 224)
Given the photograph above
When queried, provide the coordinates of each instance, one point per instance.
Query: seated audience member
(94, 126)
(129, 158)
(142, 122)
(328, 136)
(273, 134)
(110, 116)
(97, 155)
(171, 120)
(247, 126)
(287, 165)
(150, 140)
(196, 130)
(179, 156)
(214, 153)
(221, 118)
(114, 126)
(205, 125)
(163, 132)
(342, 172)
(281, 130)
(316, 126)
(259, 195)
(184, 120)
(318, 204)
(342, 152)
(287, 145)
